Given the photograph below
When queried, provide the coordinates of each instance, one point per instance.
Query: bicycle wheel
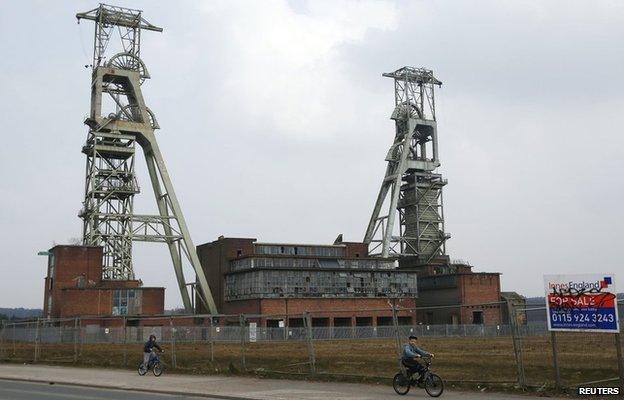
(434, 386)
(142, 369)
(400, 384)
(158, 369)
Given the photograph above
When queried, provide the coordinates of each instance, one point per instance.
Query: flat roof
(300, 244)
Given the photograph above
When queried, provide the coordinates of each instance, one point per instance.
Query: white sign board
(253, 331)
(581, 303)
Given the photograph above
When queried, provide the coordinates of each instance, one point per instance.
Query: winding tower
(119, 119)
(413, 225)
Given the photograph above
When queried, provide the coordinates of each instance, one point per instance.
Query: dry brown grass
(582, 357)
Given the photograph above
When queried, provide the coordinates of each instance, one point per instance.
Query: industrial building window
(52, 265)
(477, 317)
(123, 302)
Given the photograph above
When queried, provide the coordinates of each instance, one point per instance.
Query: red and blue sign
(582, 303)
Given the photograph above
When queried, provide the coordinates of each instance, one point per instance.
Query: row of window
(272, 284)
(126, 302)
(324, 251)
(261, 262)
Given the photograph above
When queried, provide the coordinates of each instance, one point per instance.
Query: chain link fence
(518, 354)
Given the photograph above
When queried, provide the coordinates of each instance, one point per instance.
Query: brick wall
(71, 262)
(464, 288)
(323, 308)
(355, 249)
(242, 307)
(77, 302)
(67, 267)
(153, 301)
(214, 259)
(120, 284)
(479, 288)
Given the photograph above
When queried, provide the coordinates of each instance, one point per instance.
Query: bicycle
(432, 383)
(154, 364)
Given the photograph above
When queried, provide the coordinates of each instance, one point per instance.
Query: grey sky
(275, 125)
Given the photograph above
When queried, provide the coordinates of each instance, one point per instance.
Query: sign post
(618, 346)
(553, 342)
(582, 303)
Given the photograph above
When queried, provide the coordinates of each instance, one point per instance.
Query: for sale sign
(582, 303)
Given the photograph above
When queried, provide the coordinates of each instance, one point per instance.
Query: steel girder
(110, 186)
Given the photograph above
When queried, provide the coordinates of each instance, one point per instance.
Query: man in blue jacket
(411, 354)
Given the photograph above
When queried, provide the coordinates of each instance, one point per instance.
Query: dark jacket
(149, 346)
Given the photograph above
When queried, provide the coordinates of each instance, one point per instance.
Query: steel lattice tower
(414, 190)
(118, 120)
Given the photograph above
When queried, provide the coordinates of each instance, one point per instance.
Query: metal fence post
(308, 322)
(516, 344)
(76, 339)
(553, 341)
(81, 335)
(13, 339)
(124, 343)
(211, 338)
(36, 356)
(395, 323)
(173, 344)
(242, 337)
(618, 350)
(2, 341)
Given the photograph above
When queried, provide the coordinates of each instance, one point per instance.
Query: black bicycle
(432, 383)
(154, 364)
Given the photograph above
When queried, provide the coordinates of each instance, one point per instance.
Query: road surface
(128, 385)
(17, 390)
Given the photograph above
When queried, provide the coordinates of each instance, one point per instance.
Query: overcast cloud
(275, 125)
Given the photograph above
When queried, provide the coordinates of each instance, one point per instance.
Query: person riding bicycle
(411, 354)
(148, 348)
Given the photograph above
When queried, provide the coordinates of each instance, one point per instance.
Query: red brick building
(443, 284)
(341, 285)
(74, 288)
(338, 284)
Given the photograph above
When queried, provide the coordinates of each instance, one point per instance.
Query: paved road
(209, 386)
(15, 390)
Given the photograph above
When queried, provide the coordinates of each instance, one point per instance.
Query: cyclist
(148, 348)
(411, 353)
